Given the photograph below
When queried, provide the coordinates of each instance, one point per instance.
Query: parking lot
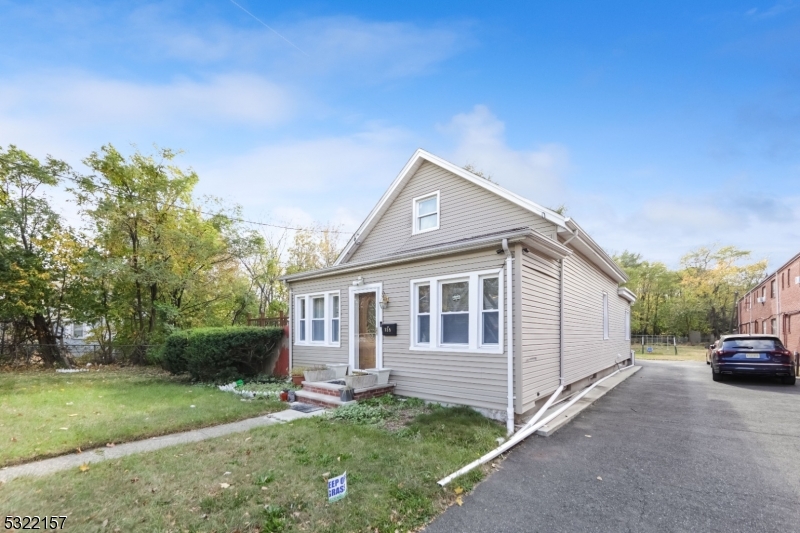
(667, 450)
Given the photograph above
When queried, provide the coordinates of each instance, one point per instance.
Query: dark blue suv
(762, 355)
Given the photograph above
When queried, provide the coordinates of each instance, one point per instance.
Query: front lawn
(44, 413)
(273, 478)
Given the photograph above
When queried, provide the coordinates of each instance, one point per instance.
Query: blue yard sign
(337, 487)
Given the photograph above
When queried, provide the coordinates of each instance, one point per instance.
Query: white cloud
(536, 173)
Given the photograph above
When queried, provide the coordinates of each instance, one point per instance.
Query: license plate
(753, 355)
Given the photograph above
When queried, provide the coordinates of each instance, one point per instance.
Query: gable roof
(413, 164)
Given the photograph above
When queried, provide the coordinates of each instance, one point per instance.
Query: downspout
(523, 434)
(509, 340)
(561, 314)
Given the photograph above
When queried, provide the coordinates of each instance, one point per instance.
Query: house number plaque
(389, 330)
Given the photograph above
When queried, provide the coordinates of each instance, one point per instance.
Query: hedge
(220, 354)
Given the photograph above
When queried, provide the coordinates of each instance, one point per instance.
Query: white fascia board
(627, 294)
(408, 170)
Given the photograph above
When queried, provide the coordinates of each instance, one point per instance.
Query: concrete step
(323, 400)
(594, 395)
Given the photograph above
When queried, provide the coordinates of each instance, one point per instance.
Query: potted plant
(382, 373)
(360, 380)
(298, 374)
(340, 369)
(319, 373)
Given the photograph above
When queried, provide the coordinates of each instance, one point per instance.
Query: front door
(367, 329)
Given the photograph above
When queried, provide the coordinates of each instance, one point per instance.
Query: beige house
(469, 293)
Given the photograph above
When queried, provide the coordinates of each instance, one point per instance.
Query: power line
(269, 28)
(233, 219)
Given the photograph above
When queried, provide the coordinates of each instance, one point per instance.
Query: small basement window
(426, 213)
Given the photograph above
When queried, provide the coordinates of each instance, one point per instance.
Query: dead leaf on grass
(458, 490)
(110, 445)
(459, 501)
(224, 485)
(78, 450)
(84, 467)
(13, 439)
(76, 414)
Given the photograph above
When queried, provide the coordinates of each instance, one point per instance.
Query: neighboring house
(473, 277)
(773, 306)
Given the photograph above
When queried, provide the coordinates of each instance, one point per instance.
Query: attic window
(426, 213)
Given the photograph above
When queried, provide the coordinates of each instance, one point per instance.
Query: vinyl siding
(466, 210)
(585, 351)
(474, 379)
(539, 331)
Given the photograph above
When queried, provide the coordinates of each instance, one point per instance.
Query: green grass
(667, 353)
(276, 479)
(43, 413)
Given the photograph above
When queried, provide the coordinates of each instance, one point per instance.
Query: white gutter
(523, 434)
(509, 339)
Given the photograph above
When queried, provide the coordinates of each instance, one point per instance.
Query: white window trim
(331, 318)
(482, 311)
(327, 301)
(605, 316)
(415, 313)
(377, 288)
(415, 217)
(474, 345)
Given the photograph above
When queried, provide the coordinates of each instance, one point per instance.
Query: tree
(314, 249)
(36, 250)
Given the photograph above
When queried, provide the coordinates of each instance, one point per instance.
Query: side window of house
(605, 316)
(490, 310)
(335, 318)
(627, 324)
(318, 319)
(426, 213)
(423, 314)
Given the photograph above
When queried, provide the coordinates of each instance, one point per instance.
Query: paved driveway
(675, 451)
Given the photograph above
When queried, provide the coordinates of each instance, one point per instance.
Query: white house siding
(474, 379)
(538, 330)
(466, 210)
(585, 351)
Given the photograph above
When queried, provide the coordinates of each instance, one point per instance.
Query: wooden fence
(269, 322)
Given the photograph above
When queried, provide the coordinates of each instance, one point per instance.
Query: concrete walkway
(74, 460)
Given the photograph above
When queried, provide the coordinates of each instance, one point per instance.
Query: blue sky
(661, 127)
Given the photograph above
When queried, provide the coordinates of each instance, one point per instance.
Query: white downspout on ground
(509, 339)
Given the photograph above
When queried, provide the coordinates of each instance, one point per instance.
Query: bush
(220, 354)
(173, 353)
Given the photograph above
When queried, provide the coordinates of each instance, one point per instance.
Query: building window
(324, 324)
(763, 326)
(455, 312)
(755, 327)
(490, 311)
(301, 323)
(78, 331)
(773, 324)
(458, 313)
(627, 324)
(423, 302)
(335, 318)
(772, 289)
(426, 213)
(605, 316)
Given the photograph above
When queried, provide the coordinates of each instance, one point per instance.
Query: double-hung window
(335, 318)
(458, 313)
(318, 319)
(490, 311)
(301, 322)
(426, 213)
(455, 312)
(423, 302)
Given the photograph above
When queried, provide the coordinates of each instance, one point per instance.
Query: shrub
(220, 354)
(173, 353)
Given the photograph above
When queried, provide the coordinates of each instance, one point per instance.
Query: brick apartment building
(773, 306)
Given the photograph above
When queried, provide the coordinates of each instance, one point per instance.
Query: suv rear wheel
(716, 376)
(789, 380)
